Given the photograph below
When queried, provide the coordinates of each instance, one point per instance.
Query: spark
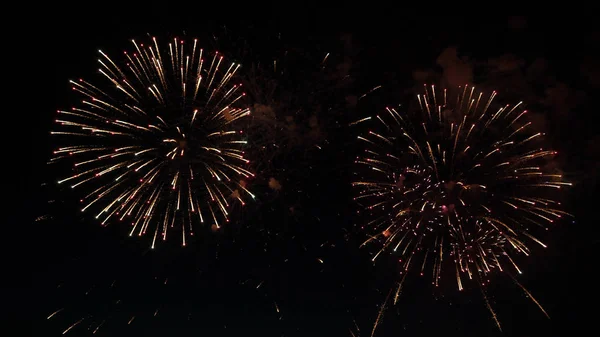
(380, 314)
(370, 91)
(73, 325)
(54, 313)
(359, 121)
(98, 327)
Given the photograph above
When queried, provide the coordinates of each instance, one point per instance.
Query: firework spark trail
(98, 327)
(457, 186)
(73, 325)
(54, 313)
(380, 313)
(369, 92)
(357, 334)
(158, 143)
(530, 296)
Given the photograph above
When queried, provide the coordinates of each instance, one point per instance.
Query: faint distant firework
(297, 91)
(457, 186)
(158, 143)
(297, 97)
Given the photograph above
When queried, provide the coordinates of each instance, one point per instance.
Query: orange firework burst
(158, 141)
(457, 186)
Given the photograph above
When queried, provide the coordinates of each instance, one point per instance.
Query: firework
(157, 142)
(457, 187)
(296, 100)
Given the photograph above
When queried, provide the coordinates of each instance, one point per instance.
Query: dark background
(231, 284)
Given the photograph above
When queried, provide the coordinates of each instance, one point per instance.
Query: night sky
(289, 264)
